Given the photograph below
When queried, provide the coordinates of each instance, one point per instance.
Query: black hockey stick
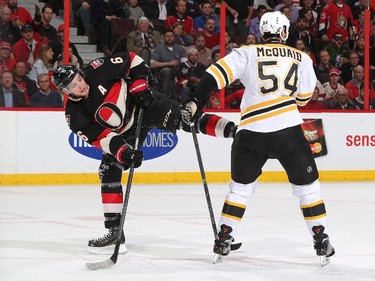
(113, 259)
(233, 247)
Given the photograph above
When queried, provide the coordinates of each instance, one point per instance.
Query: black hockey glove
(127, 155)
(140, 93)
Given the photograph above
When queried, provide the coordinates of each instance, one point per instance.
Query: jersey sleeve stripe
(215, 72)
(223, 72)
(228, 71)
(302, 99)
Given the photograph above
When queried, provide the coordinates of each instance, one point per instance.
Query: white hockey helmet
(274, 23)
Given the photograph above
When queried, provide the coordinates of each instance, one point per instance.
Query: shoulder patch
(96, 63)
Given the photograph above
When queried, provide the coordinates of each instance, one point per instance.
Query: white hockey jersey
(276, 78)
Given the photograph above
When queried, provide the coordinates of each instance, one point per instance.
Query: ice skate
(223, 243)
(322, 245)
(106, 244)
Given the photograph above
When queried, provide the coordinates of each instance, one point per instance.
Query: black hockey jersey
(106, 112)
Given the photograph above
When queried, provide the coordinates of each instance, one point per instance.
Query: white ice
(44, 232)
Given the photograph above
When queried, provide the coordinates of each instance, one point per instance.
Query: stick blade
(235, 247)
(100, 265)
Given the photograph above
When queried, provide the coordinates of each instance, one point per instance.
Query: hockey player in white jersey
(277, 78)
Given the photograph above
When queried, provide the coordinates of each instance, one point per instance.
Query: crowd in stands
(179, 39)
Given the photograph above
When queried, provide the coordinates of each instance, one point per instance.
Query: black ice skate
(223, 242)
(322, 245)
(106, 243)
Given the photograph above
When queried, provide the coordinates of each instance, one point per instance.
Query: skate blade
(324, 260)
(108, 250)
(217, 258)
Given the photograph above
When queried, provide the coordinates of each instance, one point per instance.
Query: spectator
(143, 40)
(10, 96)
(136, 12)
(321, 70)
(354, 85)
(229, 45)
(288, 13)
(233, 94)
(42, 64)
(251, 39)
(102, 12)
(189, 74)
(342, 101)
(6, 61)
(238, 18)
(44, 27)
(331, 87)
(359, 101)
(27, 48)
(300, 32)
(23, 83)
(20, 15)
(360, 6)
(254, 22)
(204, 54)
(8, 31)
(335, 18)
(193, 9)
(181, 16)
(181, 38)
(58, 46)
(360, 48)
(294, 10)
(311, 23)
(306, 5)
(314, 103)
(212, 38)
(82, 17)
(347, 69)
(207, 13)
(270, 4)
(158, 9)
(164, 62)
(338, 52)
(215, 56)
(46, 97)
(299, 44)
(73, 60)
(358, 26)
(320, 5)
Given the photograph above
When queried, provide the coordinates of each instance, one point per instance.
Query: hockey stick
(233, 247)
(113, 259)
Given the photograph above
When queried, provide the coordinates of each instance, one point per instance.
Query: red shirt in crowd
(187, 23)
(21, 16)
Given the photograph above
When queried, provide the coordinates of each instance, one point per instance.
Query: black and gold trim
(314, 211)
(267, 109)
(233, 210)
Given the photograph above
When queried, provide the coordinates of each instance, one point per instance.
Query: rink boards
(37, 147)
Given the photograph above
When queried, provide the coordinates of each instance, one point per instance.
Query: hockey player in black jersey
(277, 78)
(102, 109)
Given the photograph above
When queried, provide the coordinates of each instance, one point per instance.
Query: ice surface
(44, 232)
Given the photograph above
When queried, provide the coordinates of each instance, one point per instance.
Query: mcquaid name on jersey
(266, 51)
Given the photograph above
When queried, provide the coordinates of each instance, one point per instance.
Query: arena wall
(37, 148)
